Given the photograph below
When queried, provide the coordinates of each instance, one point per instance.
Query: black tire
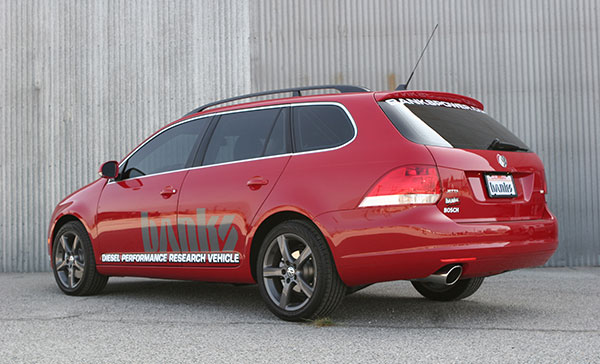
(73, 262)
(314, 288)
(459, 290)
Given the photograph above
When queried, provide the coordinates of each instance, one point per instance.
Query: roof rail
(295, 90)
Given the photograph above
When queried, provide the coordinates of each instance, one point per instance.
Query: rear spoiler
(428, 95)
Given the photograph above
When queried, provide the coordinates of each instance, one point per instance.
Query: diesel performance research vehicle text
(313, 197)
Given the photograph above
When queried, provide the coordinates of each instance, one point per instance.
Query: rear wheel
(296, 274)
(439, 292)
(73, 262)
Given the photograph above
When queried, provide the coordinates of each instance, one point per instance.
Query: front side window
(247, 135)
(169, 151)
(320, 127)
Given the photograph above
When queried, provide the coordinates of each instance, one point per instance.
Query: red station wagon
(313, 197)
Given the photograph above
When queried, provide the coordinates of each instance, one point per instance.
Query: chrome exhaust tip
(446, 276)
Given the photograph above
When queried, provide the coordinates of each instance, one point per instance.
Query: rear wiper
(497, 144)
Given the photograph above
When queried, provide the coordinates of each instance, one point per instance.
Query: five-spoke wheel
(289, 272)
(295, 272)
(69, 260)
(73, 261)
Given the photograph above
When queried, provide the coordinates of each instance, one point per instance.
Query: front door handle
(168, 191)
(257, 182)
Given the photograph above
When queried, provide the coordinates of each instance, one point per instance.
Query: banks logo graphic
(199, 242)
(199, 235)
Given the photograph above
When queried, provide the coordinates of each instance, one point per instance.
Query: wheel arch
(269, 223)
(60, 223)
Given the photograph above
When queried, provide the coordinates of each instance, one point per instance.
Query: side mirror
(109, 169)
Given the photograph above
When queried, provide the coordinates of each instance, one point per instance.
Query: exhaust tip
(453, 275)
(446, 276)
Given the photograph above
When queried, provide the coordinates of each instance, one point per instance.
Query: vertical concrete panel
(85, 81)
(534, 64)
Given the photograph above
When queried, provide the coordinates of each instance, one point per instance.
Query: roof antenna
(404, 86)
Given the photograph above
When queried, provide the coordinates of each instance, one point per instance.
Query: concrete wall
(83, 82)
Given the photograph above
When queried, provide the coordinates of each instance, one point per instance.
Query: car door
(236, 171)
(137, 212)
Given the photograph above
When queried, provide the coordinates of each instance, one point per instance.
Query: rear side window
(458, 126)
(168, 151)
(320, 127)
(247, 135)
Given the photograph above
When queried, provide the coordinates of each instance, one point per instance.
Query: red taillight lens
(405, 186)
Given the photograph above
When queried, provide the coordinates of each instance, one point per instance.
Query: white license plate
(500, 185)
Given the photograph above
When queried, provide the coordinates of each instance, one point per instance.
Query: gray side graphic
(225, 227)
(149, 234)
(213, 239)
(187, 234)
(167, 229)
(201, 233)
(201, 221)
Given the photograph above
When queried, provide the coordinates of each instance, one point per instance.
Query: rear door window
(446, 124)
(320, 127)
(247, 135)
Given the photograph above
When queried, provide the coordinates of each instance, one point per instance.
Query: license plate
(500, 185)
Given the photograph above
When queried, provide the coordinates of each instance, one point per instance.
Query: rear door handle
(257, 182)
(168, 191)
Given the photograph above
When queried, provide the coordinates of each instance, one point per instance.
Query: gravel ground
(533, 315)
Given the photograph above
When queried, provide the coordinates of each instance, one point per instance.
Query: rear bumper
(382, 244)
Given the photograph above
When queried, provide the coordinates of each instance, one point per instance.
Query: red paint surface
(488, 236)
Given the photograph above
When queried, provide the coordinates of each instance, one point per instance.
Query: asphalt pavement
(546, 315)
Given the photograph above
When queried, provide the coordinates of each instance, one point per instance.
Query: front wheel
(439, 292)
(296, 274)
(73, 262)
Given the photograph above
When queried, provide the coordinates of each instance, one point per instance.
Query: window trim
(212, 124)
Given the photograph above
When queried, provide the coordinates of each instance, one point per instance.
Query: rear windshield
(447, 124)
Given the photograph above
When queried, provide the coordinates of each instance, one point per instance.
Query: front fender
(82, 205)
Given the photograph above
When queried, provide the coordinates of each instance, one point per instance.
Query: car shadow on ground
(393, 309)
(370, 306)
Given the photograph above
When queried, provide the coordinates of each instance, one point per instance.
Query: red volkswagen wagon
(313, 197)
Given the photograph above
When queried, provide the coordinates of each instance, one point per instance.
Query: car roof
(341, 98)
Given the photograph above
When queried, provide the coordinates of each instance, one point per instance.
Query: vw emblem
(290, 272)
(501, 160)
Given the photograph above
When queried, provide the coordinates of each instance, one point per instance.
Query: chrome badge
(501, 160)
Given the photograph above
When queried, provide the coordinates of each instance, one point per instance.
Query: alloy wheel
(289, 272)
(69, 260)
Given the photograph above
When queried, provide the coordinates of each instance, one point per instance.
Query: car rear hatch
(486, 172)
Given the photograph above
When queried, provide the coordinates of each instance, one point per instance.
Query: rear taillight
(405, 186)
